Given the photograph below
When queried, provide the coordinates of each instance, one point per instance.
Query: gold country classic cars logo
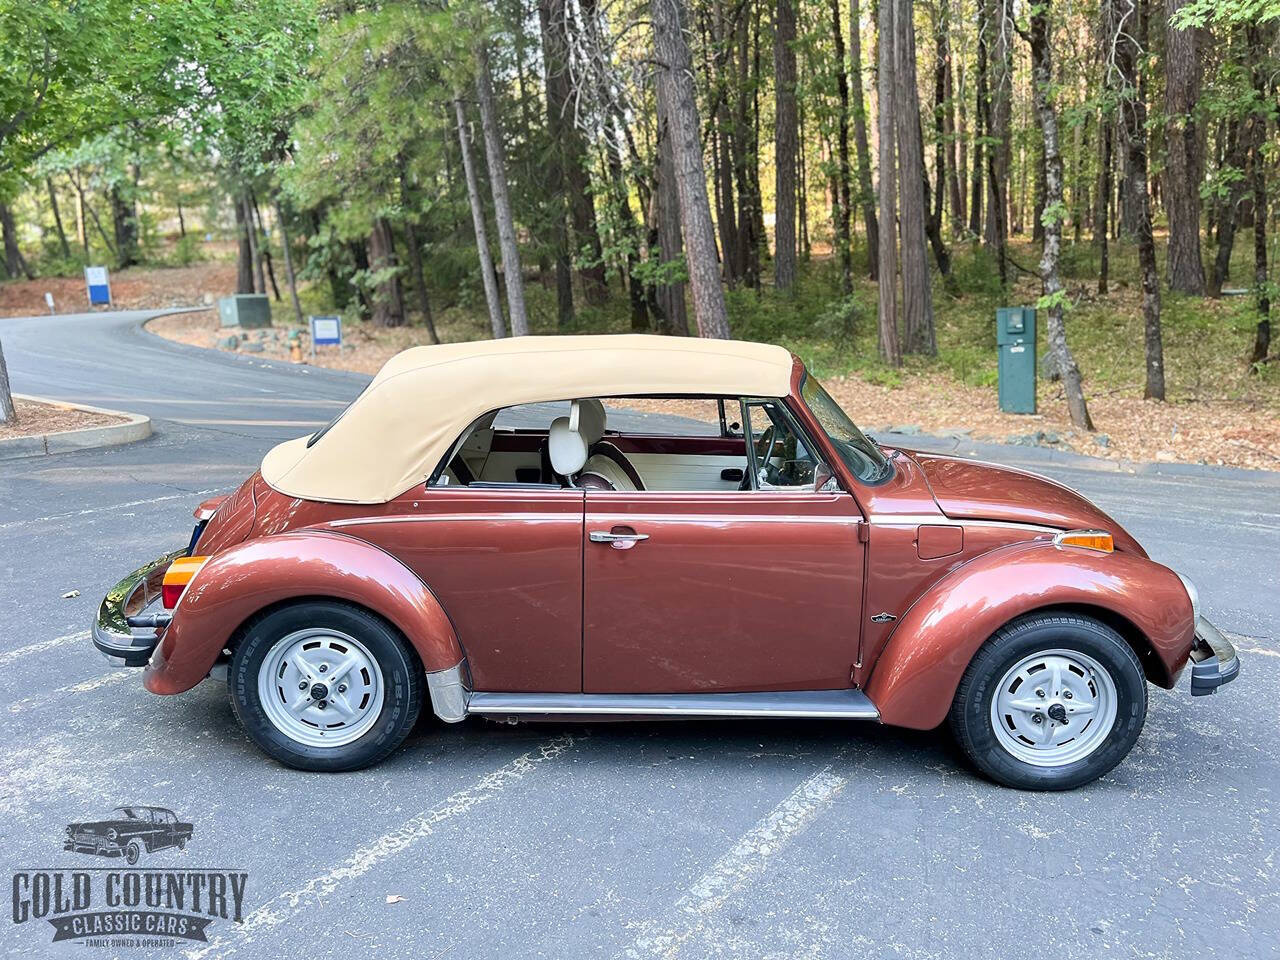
(129, 904)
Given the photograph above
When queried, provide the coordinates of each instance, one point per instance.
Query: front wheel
(1050, 702)
(325, 686)
(133, 852)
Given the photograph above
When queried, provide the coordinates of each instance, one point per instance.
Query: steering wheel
(769, 441)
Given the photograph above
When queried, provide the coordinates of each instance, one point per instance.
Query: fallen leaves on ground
(36, 418)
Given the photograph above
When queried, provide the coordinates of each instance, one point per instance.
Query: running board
(785, 703)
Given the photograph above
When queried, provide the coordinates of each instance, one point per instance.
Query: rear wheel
(325, 686)
(1050, 702)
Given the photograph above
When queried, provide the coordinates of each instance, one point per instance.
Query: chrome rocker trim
(122, 630)
(453, 700)
(1213, 660)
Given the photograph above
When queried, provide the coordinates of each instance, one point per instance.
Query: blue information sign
(98, 285)
(326, 331)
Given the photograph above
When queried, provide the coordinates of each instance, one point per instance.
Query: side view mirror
(824, 481)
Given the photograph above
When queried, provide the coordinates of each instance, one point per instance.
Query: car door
(725, 591)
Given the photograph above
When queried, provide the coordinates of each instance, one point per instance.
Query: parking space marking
(8, 656)
(745, 861)
(118, 506)
(103, 680)
(282, 908)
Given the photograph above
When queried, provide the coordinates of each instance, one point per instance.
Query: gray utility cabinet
(246, 310)
(1016, 341)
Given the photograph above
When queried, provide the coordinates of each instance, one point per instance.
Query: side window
(781, 457)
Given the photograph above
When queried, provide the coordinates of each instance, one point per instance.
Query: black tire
(133, 852)
(401, 671)
(971, 710)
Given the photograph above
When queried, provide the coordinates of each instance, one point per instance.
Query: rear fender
(243, 580)
(915, 678)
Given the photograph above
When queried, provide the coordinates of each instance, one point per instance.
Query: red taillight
(177, 577)
(170, 593)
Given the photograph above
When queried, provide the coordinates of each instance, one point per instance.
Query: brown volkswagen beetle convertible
(632, 526)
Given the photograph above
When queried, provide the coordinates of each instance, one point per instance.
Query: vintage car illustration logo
(131, 903)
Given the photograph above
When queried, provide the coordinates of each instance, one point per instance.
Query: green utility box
(247, 310)
(1016, 341)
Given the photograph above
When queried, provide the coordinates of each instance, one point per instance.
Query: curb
(249, 359)
(136, 427)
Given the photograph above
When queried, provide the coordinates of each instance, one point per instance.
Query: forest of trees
(661, 152)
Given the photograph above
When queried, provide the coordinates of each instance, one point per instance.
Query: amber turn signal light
(1099, 540)
(177, 577)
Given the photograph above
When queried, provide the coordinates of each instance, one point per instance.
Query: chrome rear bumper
(1213, 660)
(128, 601)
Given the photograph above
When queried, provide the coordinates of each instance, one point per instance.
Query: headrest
(591, 419)
(566, 447)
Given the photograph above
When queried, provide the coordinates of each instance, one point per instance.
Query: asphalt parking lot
(677, 839)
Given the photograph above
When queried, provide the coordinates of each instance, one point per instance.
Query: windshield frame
(853, 449)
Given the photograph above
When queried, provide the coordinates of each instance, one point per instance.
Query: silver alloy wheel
(1054, 707)
(321, 687)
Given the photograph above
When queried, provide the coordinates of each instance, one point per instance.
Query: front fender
(242, 580)
(915, 678)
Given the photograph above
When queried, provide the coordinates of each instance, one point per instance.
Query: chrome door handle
(619, 541)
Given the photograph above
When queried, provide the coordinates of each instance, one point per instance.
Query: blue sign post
(326, 331)
(98, 284)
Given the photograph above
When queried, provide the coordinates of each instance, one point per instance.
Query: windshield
(861, 455)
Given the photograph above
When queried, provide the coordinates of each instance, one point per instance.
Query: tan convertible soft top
(395, 433)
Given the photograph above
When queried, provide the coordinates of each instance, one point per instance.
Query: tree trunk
(954, 176)
(490, 282)
(1237, 152)
(843, 239)
(866, 195)
(1051, 283)
(182, 223)
(979, 124)
(1102, 215)
(124, 217)
(1185, 168)
(290, 277)
(917, 290)
(244, 251)
(1264, 89)
(785, 145)
(57, 218)
(1133, 110)
(265, 244)
(82, 231)
(388, 296)
(571, 152)
(675, 71)
(255, 252)
(8, 413)
(14, 262)
(415, 250)
(999, 29)
(669, 296)
(887, 308)
(940, 57)
(493, 150)
(556, 80)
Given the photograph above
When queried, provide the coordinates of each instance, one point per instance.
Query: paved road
(699, 839)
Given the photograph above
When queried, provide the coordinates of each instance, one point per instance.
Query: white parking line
(285, 906)
(740, 866)
(118, 506)
(8, 656)
(104, 680)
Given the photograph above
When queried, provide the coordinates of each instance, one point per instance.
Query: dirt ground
(1223, 432)
(138, 288)
(38, 418)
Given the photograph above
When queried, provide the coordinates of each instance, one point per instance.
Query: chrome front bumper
(1213, 660)
(123, 629)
